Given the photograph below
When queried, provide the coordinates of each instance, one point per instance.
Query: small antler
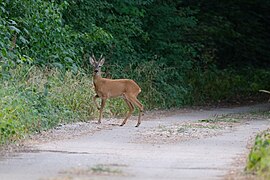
(92, 60)
(93, 56)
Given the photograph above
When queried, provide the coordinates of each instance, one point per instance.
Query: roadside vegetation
(179, 52)
(259, 157)
(34, 99)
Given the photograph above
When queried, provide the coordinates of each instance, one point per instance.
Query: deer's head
(97, 64)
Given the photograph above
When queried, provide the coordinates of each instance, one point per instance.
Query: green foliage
(36, 34)
(234, 31)
(173, 49)
(113, 28)
(161, 88)
(213, 84)
(259, 157)
(12, 111)
(137, 50)
(168, 26)
(7, 30)
(35, 99)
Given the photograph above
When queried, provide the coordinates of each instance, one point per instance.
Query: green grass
(32, 100)
(104, 169)
(259, 157)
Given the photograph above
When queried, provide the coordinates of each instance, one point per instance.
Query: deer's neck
(96, 78)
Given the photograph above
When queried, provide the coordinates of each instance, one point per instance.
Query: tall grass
(34, 99)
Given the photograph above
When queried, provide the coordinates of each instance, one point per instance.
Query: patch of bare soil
(159, 114)
(67, 131)
(167, 134)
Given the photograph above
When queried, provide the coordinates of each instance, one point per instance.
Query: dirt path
(170, 146)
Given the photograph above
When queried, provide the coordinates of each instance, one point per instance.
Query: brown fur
(110, 88)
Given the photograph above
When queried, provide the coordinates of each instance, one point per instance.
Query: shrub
(213, 84)
(259, 157)
(34, 99)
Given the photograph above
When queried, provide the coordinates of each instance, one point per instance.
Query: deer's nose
(96, 70)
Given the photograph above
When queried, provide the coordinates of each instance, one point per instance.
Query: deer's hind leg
(140, 106)
(135, 101)
(131, 110)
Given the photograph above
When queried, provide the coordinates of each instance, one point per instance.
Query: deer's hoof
(122, 124)
(137, 125)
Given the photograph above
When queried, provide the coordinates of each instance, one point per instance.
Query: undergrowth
(34, 99)
(214, 85)
(259, 157)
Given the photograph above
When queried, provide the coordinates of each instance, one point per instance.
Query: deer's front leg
(95, 100)
(103, 102)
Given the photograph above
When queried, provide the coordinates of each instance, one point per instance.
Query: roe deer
(110, 88)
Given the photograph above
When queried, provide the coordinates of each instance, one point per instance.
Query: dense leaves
(189, 50)
(43, 36)
(236, 30)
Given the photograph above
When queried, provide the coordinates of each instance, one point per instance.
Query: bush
(160, 87)
(259, 157)
(34, 99)
(213, 84)
(33, 32)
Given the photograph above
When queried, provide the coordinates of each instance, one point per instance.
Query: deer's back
(116, 87)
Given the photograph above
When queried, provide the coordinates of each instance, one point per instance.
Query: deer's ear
(92, 61)
(101, 61)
